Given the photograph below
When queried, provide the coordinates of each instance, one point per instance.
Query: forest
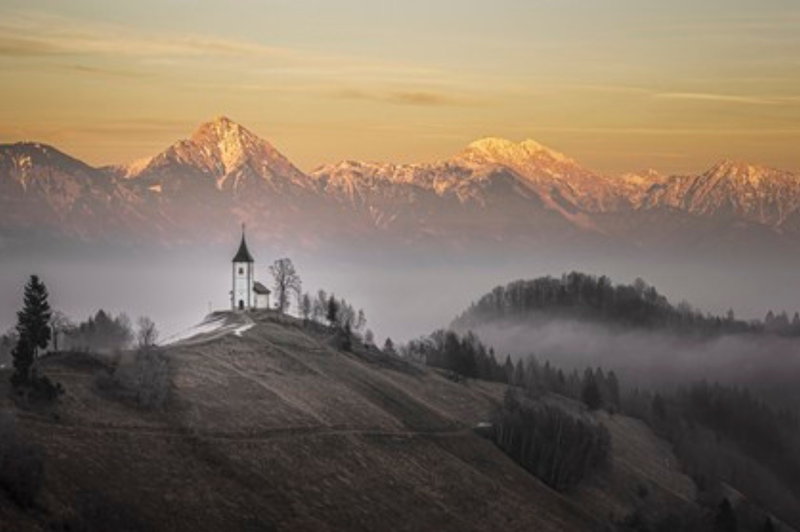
(729, 435)
(722, 434)
(581, 296)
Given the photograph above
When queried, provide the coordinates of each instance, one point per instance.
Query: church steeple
(243, 255)
(242, 295)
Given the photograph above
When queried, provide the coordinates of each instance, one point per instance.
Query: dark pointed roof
(243, 255)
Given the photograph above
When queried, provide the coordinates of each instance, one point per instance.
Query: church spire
(243, 255)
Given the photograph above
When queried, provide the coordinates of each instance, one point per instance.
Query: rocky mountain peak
(744, 172)
(506, 152)
(225, 144)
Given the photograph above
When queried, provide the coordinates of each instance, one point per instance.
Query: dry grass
(276, 430)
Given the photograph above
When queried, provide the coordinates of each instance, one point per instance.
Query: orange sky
(619, 85)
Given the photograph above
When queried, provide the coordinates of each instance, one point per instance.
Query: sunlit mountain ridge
(495, 189)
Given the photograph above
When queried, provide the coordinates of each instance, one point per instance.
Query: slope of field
(273, 429)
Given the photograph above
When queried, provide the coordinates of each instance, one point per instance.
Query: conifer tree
(725, 520)
(612, 383)
(591, 393)
(388, 347)
(346, 337)
(33, 327)
(332, 312)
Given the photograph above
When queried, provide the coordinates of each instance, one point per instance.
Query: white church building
(247, 293)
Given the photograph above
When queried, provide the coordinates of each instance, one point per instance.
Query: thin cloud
(749, 132)
(39, 34)
(105, 72)
(416, 98)
(14, 46)
(713, 97)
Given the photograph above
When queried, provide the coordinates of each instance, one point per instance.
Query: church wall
(243, 284)
(262, 301)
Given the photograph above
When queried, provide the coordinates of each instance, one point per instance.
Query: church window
(241, 271)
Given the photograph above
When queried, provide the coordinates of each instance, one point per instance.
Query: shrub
(146, 381)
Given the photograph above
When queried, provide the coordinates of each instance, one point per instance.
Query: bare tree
(147, 335)
(125, 329)
(320, 306)
(305, 307)
(60, 325)
(361, 321)
(287, 282)
(346, 314)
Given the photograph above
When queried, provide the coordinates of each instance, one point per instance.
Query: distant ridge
(494, 190)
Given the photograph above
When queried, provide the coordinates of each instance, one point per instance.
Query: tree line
(728, 434)
(320, 308)
(466, 356)
(41, 330)
(582, 296)
(100, 333)
(558, 447)
(463, 355)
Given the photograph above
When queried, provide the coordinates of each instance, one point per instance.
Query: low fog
(650, 358)
(404, 293)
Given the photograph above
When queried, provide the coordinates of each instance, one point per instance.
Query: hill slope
(272, 429)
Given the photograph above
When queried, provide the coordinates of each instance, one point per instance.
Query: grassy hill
(269, 427)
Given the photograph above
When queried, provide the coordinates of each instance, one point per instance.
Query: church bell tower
(242, 296)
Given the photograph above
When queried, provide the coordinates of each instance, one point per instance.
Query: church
(247, 293)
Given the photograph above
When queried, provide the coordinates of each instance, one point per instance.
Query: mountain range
(494, 190)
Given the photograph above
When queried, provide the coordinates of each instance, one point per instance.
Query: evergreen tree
(346, 337)
(332, 312)
(33, 327)
(508, 370)
(591, 393)
(725, 520)
(659, 407)
(519, 374)
(33, 321)
(612, 383)
(388, 347)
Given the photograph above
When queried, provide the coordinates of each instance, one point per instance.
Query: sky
(620, 85)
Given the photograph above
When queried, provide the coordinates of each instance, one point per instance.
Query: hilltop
(270, 427)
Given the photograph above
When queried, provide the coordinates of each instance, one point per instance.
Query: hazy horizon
(620, 87)
(403, 293)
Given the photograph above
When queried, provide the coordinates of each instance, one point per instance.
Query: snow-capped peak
(225, 142)
(506, 152)
(228, 153)
(742, 171)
